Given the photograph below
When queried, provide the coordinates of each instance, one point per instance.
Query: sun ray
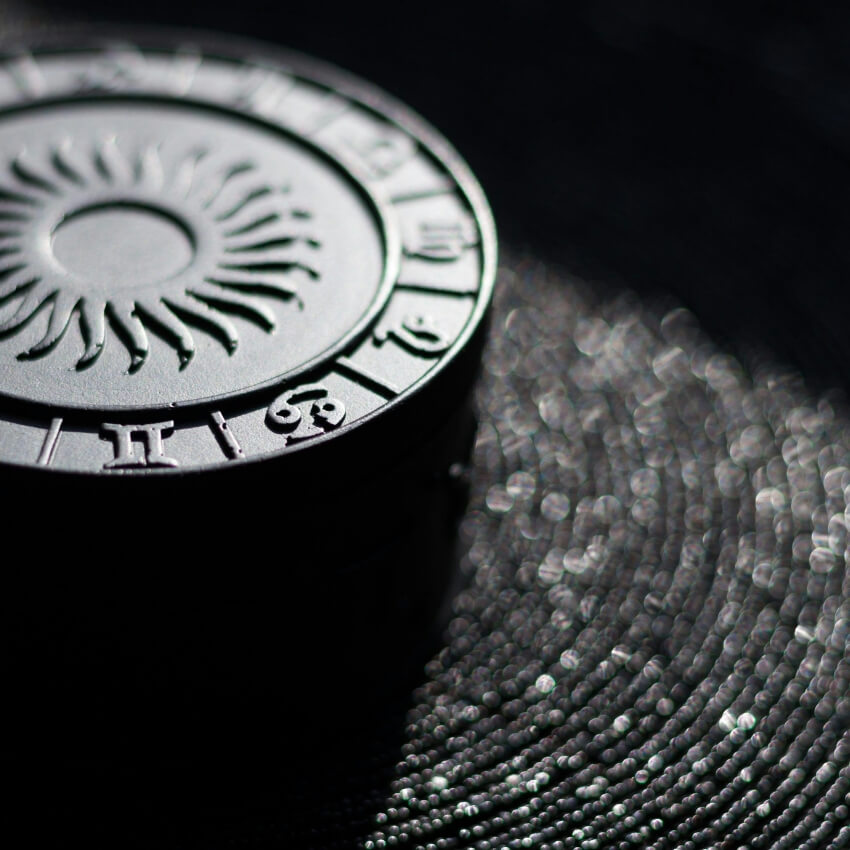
(160, 318)
(13, 195)
(272, 234)
(93, 328)
(222, 181)
(14, 210)
(185, 173)
(149, 172)
(283, 242)
(253, 224)
(199, 313)
(20, 278)
(255, 283)
(247, 197)
(27, 173)
(9, 264)
(61, 310)
(276, 259)
(64, 163)
(289, 255)
(33, 301)
(131, 331)
(10, 245)
(255, 245)
(232, 302)
(111, 163)
(16, 196)
(255, 214)
(238, 196)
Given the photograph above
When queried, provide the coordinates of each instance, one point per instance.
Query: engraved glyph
(26, 75)
(119, 66)
(377, 147)
(305, 412)
(382, 154)
(261, 90)
(442, 240)
(419, 334)
(150, 439)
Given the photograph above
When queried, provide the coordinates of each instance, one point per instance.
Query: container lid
(217, 255)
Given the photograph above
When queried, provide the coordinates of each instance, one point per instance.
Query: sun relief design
(103, 236)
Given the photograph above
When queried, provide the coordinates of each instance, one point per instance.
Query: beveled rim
(372, 99)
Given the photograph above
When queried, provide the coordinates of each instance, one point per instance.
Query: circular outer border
(371, 442)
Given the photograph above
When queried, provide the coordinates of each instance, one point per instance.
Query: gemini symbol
(149, 436)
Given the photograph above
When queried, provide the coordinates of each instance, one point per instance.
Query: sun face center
(174, 254)
(122, 245)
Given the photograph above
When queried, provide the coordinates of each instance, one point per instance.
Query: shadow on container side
(183, 630)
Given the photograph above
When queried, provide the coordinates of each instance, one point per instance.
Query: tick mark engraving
(367, 378)
(226, 438)
(51, 439)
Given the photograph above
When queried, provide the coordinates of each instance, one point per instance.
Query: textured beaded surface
(652, 649)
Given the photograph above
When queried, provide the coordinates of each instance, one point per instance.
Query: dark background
(694, 149)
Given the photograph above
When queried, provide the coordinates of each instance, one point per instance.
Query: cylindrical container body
(243, 302)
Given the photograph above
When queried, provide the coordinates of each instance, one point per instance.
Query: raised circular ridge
(437, 379)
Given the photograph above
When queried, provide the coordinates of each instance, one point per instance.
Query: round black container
(241, 305)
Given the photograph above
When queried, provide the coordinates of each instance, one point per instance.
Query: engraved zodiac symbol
(441, 241)
(382, 152)
(118, 68)
(287, 413)
(417, 334)
(150, 437)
